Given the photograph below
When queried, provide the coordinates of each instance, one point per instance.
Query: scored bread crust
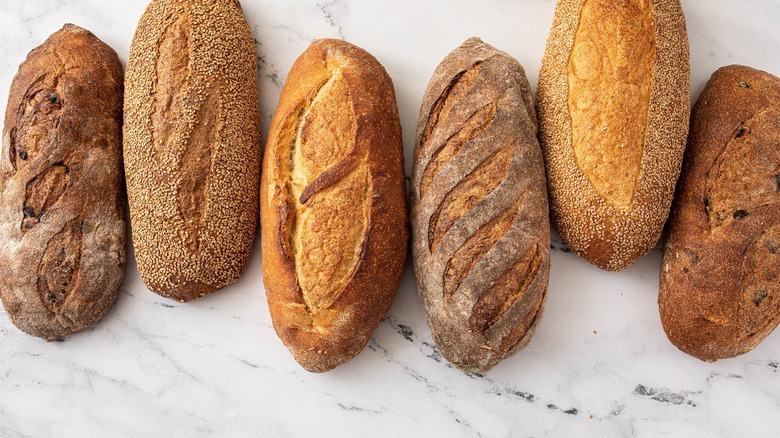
(609, 236)
(478, 170)
(301, 187)
(720, 276)
(62, 224)
(192, 145)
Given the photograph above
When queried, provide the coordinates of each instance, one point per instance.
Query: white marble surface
(600, 364)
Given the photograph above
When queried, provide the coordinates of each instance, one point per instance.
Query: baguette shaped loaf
(192, 145)
(720, 276)
(481, 234)
(334, 228)
(614, 106)
(62, 225)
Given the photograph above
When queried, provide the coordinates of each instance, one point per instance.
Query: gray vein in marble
(285, 29)
(150, 299)
(359, 409)
(331, 10)
(269, 71)
(666, 396)
(160, 353)
(385, 353)
(10, 432)
(715, 375)
(9, 427)
(432, 352)
(254, 365)
(463, 422)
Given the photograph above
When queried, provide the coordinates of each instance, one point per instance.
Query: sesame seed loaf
(333, 203)
(62, 224)
(192, 145)
(614, 106)
(720, 275)
(481, 234)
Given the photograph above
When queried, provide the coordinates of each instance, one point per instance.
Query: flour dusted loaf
(192, 145)
(481, 235)
(720, 276)
(614, 105)
(333, 203)
(62, 225)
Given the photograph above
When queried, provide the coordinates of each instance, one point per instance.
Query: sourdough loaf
(62, 225)
(720, 276)
(192, 145)
(481, 236)
(614, 104)
(333, 203)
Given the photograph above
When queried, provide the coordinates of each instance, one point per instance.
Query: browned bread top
(613, 122)
(62, 226)
(720, 277)
(479, 208)
(333, 204)
(192, 145)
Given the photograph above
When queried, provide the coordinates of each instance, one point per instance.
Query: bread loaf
(481, 236)
(614, 104)
(720, 277)
(333, 203)
(62, 225)
(192, 145)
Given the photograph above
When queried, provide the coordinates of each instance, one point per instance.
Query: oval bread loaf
(720, 276)
(62, 225)
(614, 105)
(333, 202)
(481, 235)
(192, 145)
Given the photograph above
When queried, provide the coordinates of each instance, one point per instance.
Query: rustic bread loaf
(614, 104)
(192, 145)
(720, 277)
(481, 235)
(62, 225)
(333, 204)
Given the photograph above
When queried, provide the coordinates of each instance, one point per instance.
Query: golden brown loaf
(481, 235)
(333, 204)
(614, 104)
(192, 145)
(720, 276)
(62, 225)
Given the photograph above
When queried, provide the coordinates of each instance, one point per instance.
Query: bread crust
(192, 145)
(481, 235)
(62, 225)
(325, 329)
(611, 236)
(720, 275)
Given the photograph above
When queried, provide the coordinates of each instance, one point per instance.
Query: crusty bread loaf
(720, 276)
(333, 204)
(192, 145)
(614, 104)
(62, 225)
(481, 235)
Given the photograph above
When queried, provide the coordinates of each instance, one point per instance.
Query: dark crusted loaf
(481, 236)
(192, 145)
(720, 277)
(333, 204)
(62, 226)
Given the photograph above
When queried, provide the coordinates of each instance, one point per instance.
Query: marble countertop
(600, 364)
